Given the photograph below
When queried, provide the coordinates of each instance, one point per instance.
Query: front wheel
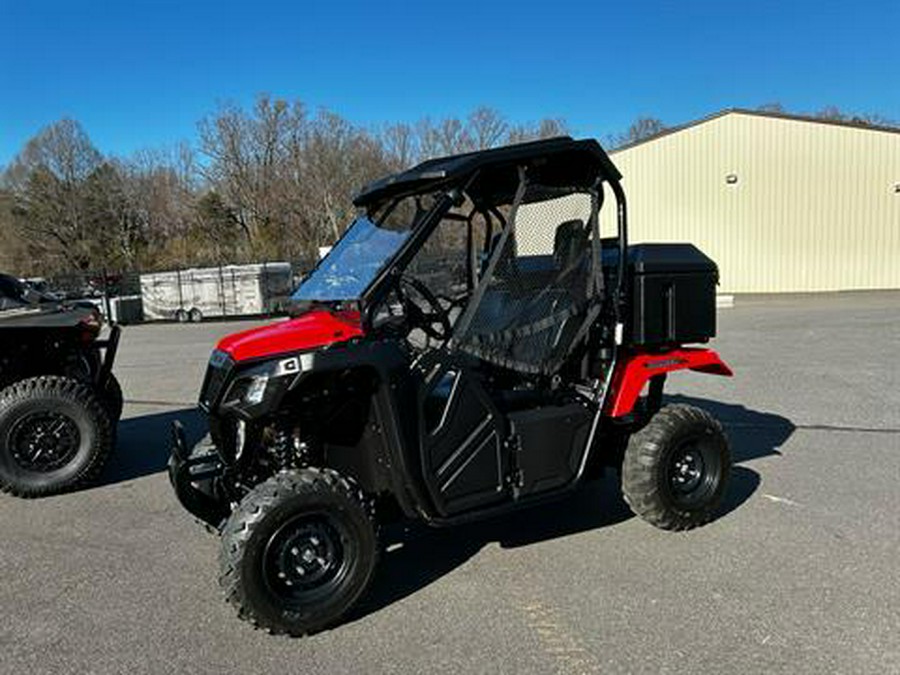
(298, 552)
(675, 469)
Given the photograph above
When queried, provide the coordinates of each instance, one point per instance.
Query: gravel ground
(799, 575)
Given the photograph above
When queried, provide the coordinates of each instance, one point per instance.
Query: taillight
(90, 326)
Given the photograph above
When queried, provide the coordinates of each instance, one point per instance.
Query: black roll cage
(384, 282)
(567, 161)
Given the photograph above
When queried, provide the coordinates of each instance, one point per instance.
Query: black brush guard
(193, 474)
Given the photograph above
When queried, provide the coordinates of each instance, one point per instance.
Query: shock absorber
(281, 449)
(287, 450)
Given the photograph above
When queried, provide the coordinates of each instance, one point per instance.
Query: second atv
(474, 343)
(59, 400)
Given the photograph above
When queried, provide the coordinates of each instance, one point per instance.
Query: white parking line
(782, 500)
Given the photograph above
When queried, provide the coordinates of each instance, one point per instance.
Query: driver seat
(570, 243)
(565, 295)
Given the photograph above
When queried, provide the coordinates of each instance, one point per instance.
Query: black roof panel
(560, 161)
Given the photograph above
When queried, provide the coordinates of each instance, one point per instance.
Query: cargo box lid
(668, 258)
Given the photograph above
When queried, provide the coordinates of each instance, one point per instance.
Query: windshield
(354, 262)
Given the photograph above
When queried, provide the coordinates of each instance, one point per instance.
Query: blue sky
(141, 74)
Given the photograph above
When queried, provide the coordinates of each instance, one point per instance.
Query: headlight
(259, 388)
(256, 389)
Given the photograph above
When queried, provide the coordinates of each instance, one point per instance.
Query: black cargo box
(673, 290)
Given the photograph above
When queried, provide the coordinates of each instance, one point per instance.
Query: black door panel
(463, 458)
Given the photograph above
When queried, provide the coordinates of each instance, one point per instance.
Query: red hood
(314, 329)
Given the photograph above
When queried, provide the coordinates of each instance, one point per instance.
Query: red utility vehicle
(474, 343)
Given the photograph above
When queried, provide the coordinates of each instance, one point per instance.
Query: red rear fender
(634, 370)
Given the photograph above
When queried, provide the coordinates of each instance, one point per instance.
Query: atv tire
(55, 435)
(298, 552)
(676, 468)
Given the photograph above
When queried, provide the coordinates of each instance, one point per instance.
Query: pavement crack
(810, 427)
(832, 427)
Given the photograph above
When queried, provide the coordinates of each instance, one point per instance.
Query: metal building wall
(815, 207)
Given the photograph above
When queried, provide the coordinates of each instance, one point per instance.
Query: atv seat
(563, 298)
(534, 304)
(570, 243)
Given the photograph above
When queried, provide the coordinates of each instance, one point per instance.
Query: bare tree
(641, 129)
(874, 119)
(546, 128)
(486, 128)
(247, 153)
(62, 148)
(15, 255)
(117, 223)
(400, 145)
(771, 107)
(160, 188)
(272, 181)
(330, 161)
(47, 181)
(446, 137)
(287, 180)
(832, 113)
(216, 231)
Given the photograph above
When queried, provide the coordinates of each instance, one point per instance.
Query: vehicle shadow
(144, 442)
(417, 556)
(752, 433)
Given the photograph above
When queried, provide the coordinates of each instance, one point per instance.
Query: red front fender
(634, 370)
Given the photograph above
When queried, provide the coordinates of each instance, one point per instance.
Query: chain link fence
(181, 294)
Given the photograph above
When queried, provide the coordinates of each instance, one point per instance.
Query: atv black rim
(44, 441)
(306, 559)
(693, 473)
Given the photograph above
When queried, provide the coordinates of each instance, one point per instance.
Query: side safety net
(541, 281)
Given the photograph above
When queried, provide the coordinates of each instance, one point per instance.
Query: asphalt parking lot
(798, 575)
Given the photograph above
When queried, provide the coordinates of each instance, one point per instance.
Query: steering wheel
(434, 320)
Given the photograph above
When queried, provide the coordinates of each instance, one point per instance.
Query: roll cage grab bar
(622, 225)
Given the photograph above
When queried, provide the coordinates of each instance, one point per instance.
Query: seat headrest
(570, 241)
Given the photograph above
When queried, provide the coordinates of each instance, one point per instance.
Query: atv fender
(635, 369)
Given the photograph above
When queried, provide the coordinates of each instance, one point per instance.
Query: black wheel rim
(306, 559)
(44, 441)
(693, 473)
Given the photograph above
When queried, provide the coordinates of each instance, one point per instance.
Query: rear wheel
(675, 469)
(195, 315)
(54, 435)
(298, 552)
(181, 316)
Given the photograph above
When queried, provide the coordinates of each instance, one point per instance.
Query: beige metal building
(782, 203)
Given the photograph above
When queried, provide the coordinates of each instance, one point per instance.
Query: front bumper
(195, 475)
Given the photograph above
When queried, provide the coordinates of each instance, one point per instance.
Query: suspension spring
(282, 449)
